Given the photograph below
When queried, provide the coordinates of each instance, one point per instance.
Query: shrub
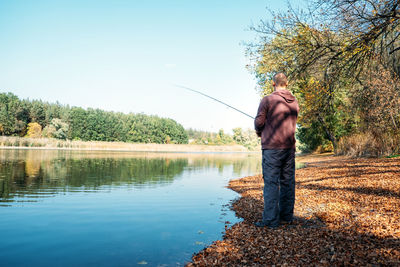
(34, 130)
(369, 145)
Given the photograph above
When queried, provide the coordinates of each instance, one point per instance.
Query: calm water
(70, 208)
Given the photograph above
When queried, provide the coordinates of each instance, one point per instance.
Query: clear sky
(126, 55)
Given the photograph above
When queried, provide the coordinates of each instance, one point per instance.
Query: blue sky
(126, 55)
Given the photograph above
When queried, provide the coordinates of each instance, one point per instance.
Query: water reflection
(114, 209)
(45, 172)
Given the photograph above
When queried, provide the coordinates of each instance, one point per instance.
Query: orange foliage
(347, 213)
(34, 130)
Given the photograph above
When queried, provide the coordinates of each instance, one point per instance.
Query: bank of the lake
(347, 213)
(51, 143)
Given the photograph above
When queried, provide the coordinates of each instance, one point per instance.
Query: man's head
(279, 80)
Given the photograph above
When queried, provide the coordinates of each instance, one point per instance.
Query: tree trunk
(329, 134)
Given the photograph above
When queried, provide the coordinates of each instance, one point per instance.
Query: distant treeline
(246, 138)
(35, 118)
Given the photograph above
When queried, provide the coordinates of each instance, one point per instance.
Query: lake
(80, 208)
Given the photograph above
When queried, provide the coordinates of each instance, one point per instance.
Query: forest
(36, 119)
(342, 59)
(41, 119)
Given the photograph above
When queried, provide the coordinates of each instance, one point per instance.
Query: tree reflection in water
(41, 173)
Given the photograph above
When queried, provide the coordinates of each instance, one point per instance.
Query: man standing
(275, 123)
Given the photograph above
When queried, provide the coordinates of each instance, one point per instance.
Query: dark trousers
(279, 185)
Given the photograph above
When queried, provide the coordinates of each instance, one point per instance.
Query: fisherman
(275, 123)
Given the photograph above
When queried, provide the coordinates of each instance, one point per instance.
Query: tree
(319, 99)
(238, 136)
(37, 112)
(57, 129)
(77, 122)
(248, 138)
(34, 130)
(52, 111)
(331, 54)
(13, 114)
(152, 129)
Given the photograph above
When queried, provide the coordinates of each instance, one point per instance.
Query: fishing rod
(190, 89)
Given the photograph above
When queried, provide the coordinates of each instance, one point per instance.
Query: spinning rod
(219, 101)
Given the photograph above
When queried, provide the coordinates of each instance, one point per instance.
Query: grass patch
(393, 156)
(300, 165)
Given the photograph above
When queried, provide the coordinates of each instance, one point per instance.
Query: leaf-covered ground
(347, 214)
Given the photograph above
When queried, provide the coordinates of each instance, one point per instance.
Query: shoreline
(344, 215)
(23, 143)
(188, 151)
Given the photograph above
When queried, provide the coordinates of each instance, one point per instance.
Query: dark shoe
(282, 222)
(262, 224)
(259, 224)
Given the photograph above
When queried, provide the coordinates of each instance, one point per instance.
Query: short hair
(280, 79)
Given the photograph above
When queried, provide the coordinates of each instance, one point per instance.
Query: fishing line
(219, 101)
